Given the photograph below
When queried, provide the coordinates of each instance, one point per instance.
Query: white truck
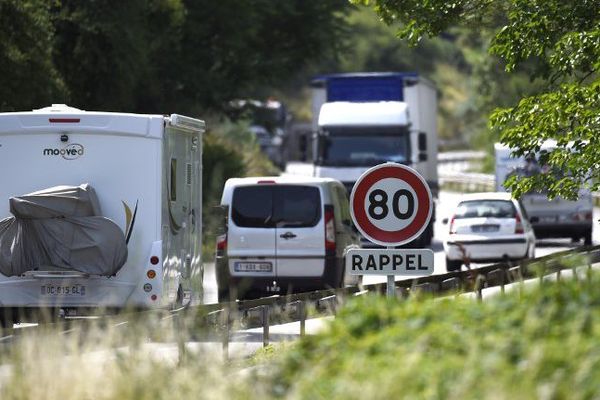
(549, 218)
(364, 119)
(98, 210)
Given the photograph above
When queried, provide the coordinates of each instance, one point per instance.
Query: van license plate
(253, 267)
(63, 290)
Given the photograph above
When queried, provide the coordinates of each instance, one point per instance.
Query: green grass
(541, 343)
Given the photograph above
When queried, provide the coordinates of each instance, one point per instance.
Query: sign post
(391, 205)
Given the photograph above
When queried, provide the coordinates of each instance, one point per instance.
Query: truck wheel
(453, 265)
(587, 238)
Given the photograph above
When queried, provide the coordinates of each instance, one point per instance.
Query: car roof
(486, 196)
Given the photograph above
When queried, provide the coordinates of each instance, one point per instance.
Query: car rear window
(252, 206)
(485, 208)
(269, 206)
(297, 206)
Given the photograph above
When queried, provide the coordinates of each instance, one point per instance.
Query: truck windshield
(364, 147)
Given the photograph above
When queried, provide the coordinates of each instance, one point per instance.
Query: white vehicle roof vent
(58, 108)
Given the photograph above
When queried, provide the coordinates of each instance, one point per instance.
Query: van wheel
(453, 265)
(6, 318)
(223, 296)
(587, 238)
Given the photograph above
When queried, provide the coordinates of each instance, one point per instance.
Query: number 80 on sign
(391, 204)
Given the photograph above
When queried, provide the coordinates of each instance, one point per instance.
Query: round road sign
(391, 204)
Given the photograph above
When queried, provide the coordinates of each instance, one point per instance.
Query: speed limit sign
(391, 204)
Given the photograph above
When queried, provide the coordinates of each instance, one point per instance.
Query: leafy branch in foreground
(561, 40)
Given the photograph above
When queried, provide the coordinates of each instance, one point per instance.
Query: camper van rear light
(329, 229)
(147, 287)
(154, 260)
(153, 297)
(64, 120)
(266, 181)
(151, 274)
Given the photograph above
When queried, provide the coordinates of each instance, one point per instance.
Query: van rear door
(300, 233)
(251, 234)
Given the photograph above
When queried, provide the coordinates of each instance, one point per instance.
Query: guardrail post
(265, 321)
(479, 282)
(225, 336)
(180, 329)
(302, 312)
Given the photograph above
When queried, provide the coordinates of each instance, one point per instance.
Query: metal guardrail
(325, 302)
(219, 319)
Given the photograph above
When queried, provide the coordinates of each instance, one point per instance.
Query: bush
(540, 345)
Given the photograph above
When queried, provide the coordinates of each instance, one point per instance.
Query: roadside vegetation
(540, 342)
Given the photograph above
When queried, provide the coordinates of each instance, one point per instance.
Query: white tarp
(60, 228)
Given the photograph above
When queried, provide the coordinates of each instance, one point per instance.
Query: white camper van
(550, 218)
(99, 209)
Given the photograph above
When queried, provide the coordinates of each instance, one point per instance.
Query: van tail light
(518, 225)
(329, 230)
(221, 244)
(452, 228)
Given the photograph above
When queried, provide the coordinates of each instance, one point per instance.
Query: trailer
(99, 210)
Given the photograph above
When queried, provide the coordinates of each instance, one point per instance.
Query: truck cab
(364, 119)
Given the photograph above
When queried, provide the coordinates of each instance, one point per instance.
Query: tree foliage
(157, 55)
(556, 41)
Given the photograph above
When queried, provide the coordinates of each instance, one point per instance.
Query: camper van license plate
(63, 290)
(253, 267)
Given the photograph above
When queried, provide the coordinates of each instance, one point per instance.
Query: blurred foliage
(540, 343)
(557, 45)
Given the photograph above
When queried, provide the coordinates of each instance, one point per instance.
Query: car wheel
(453, 265)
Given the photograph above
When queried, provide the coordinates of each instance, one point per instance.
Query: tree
(28, 77)
(554, 40)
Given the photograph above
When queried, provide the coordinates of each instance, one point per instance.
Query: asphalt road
(446, 204)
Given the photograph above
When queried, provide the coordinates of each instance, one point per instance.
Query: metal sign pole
(391, 283)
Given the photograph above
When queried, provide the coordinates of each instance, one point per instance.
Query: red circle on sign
(366, 182)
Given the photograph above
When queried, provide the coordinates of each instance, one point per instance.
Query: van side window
(173, 179)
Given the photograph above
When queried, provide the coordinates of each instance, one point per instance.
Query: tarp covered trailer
(138, 176)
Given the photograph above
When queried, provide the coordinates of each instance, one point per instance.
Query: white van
(283, 234)
(146, 172)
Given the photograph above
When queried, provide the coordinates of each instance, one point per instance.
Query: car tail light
(221, 244)
(518, 225)
(329, 229)
(452, 228)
